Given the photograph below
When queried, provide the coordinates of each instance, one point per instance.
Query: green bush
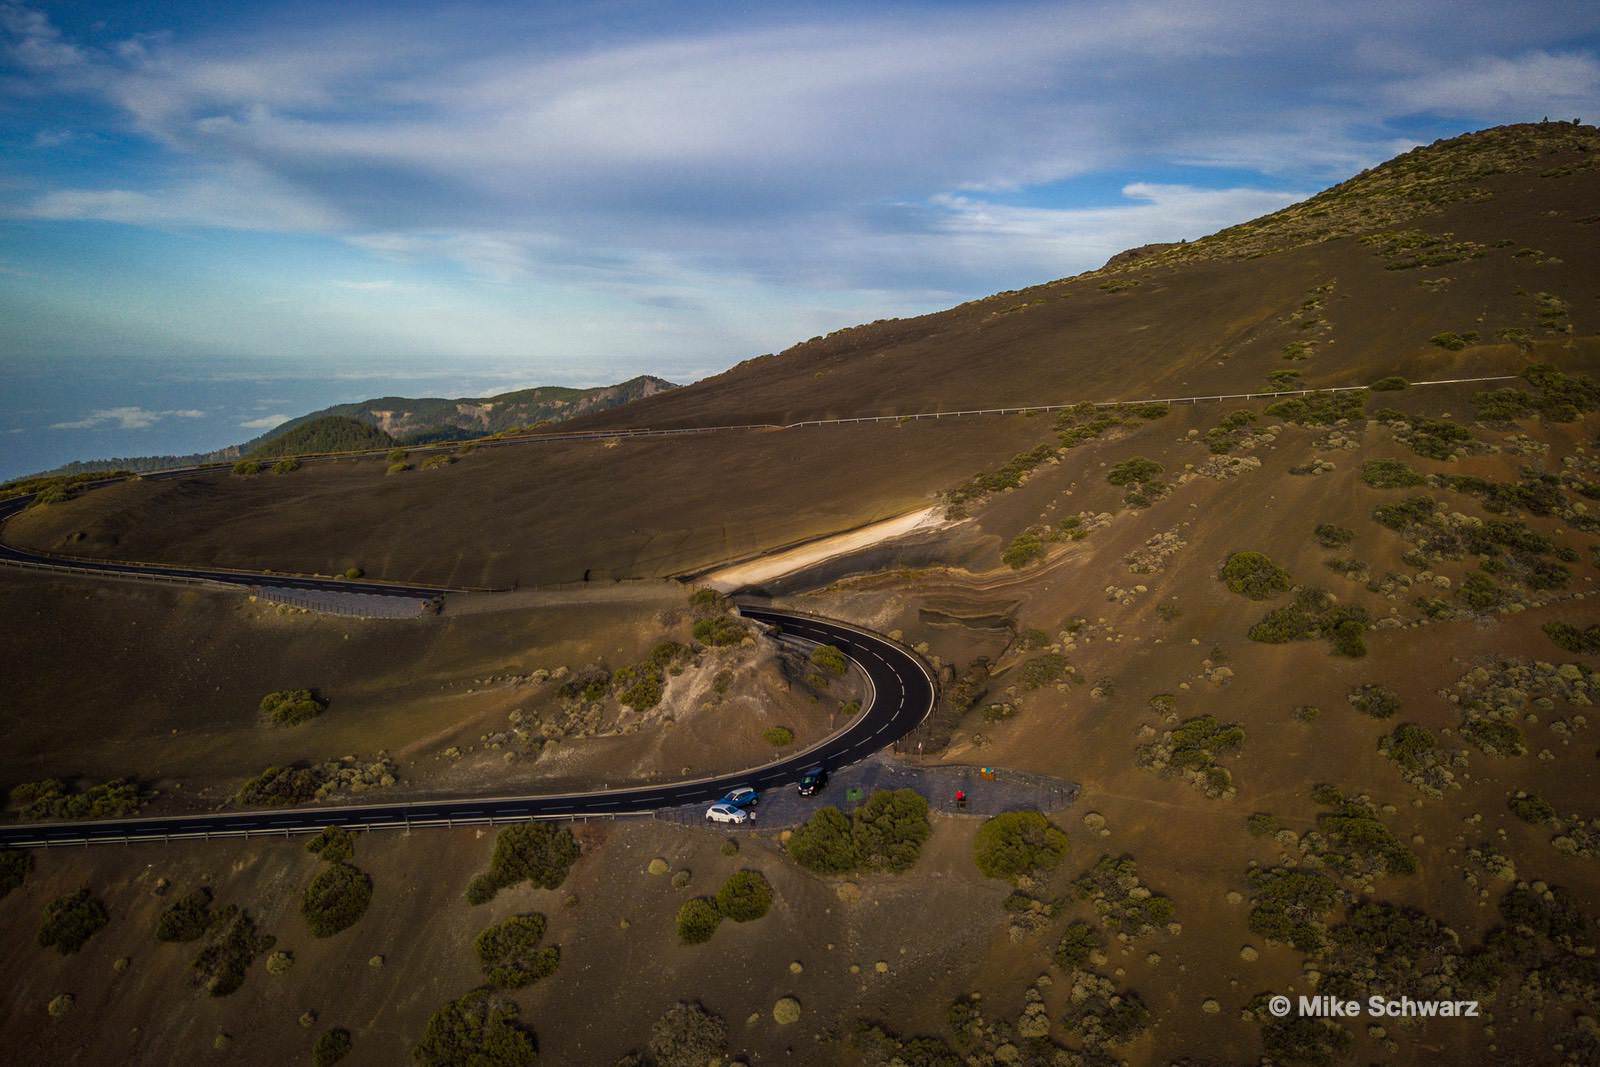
(540, 853)
(331, 1047)
(829, 660)
(888, 831)
(290, 707)
(1320, 409)
(336, 898)
(778, 736)
(1454, 342)
(49, 799)
(246, 468)
(72, 920)
(1261, 823)
(687, 1035)
(1289, 904)
(705, 601)
(1389, 474)
(1017, 843)
(15, 865)
(232, 945)
(479, 1030)
(698, 919)
(278, 786)
(1329, 535)
(1027, 547)
(1076, 945)
(334, 844)
(510, 954)
(1531, 807)
(187, 918)
(1374, 700)
(745, 896)
(1254, 575)
(1479, 592)
(1502, 405)
(1393, 383)
(824, 843)
(1135, 471)
(286, 465)
(719, 630)
(1044, 670)
(353, 573)
(1580, 640)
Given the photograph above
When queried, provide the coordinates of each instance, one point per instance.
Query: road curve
(901, 693)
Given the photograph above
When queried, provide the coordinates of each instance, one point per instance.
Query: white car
(727, 813)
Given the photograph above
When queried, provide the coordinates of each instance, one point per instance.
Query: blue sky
(211, 213)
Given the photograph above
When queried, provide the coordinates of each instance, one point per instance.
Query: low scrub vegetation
(70, 921)
(511, 953)
(744, 897)
(290, 707)
(482, 1029)
(1331, 535)
(51, 799)
(15, 866)
(187, 918)
(331, 1047)
(336, 898)
(232, 944)
(686, 1035)
(1320, 409)
(698, 919)
(1253, 574)
(1580, 640)
(884, 834)
(540, 853)
(1015, 844)
(1314, 614)
(1389, 474)
(719, 630)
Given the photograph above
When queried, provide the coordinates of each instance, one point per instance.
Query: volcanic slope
(1472, 256)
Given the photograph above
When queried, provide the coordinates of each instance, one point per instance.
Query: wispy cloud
(265, 422)
(126, 418)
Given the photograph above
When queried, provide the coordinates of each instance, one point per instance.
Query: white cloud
(265, 422)
(1560, 85)
(125, 418)
(240, 197)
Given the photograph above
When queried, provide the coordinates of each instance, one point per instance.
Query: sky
(214, 216)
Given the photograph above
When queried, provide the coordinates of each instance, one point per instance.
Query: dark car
(812, 781)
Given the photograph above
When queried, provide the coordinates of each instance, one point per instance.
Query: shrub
(232, 946)
(1329, 535)
(1135, 471)
(398, 467)
(280, 962)
(187, 918)
(49, 799)
(1319, 409)
(280, 785)
(888, 831)
(1076, 945)
(510, 954)
(1478, 592)
(353, 573)
(778, 736)
(745, 896)
(1374, 700)
(1389, 474)
(1454, 342)
(829, 660)
(1530, 807)
(290, 707)
(1393, 383)
(1289, 904)
(334, 844)
(15, 866)
(1027, 547)
(824, 843)
(538, 852)
(719, 630)
(697, 921)
(286, 465)
(479, 1029)
(336, 898)
(1254, 575)
(1261, 823)
(72, 920)
(1017, 843)
(1584, 640)
(245, 468)
(331, 1047)
(687, 1035)
(1043, 670)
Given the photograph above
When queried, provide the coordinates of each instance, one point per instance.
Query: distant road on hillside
(901, 693)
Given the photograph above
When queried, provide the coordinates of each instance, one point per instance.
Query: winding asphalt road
(901, 692)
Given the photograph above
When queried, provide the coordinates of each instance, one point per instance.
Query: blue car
(742, 797)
